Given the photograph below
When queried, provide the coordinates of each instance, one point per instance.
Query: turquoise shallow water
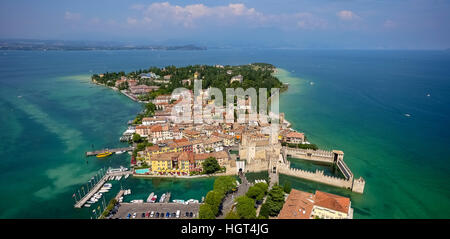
(50, 114)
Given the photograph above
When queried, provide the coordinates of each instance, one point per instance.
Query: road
(229, 199)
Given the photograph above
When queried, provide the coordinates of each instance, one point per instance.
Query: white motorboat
(137, 201)
(149, 199)
(154, 198)
(162, 197)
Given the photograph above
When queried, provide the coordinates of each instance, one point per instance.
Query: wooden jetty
(97, 187)
(93, 153)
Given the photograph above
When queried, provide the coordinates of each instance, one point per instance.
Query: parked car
(152, 214)
(157, 214)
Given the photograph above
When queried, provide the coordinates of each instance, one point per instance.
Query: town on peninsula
(162, 146)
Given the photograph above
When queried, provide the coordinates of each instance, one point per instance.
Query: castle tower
(338, 155)
(358, 185)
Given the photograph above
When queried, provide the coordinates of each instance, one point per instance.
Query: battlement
(356, 185)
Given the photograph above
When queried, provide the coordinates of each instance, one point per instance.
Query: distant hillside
(49, 45)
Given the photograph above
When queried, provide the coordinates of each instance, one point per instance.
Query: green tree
(211, 165)
(277, 194)
(136, 138)
(224, 184)
(264, 211)
(274, 202)
(256, 193)
(232, 215)
(150, 109)
(214, 199)
(245, 207)
(287, 187)
(205, 212)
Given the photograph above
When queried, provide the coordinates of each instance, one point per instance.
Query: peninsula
(163, 147)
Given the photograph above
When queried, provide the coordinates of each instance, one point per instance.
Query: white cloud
(187, 16)
(71, 16)
(347, 15)
(161, 15)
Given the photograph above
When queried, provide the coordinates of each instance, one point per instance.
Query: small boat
(107, 185)
(137, 201)
(407, 115)
(120, 177)
(87, 205)
(104, 190)
(149, 199)
(126, 176)
(162, 197)
(154, 199)
(120, 152)
(178, 201)
(103, 155)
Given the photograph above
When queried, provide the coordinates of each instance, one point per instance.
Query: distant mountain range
(49, 45)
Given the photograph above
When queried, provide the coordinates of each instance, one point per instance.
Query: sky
(311, 24)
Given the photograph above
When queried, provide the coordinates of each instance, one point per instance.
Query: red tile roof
(332, 201)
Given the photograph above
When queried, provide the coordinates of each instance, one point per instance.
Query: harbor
(96, 188)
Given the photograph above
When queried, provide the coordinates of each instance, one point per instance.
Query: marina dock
(97, 187)
(93, 153)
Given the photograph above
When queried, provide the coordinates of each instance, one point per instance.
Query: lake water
(387, 110)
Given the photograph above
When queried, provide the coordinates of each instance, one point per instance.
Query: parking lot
(157, 208)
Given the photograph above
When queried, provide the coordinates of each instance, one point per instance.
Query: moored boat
(103, 155)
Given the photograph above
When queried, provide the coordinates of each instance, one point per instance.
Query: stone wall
(257, 166)
(356, 185)
(316, 176)
(309, 154)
